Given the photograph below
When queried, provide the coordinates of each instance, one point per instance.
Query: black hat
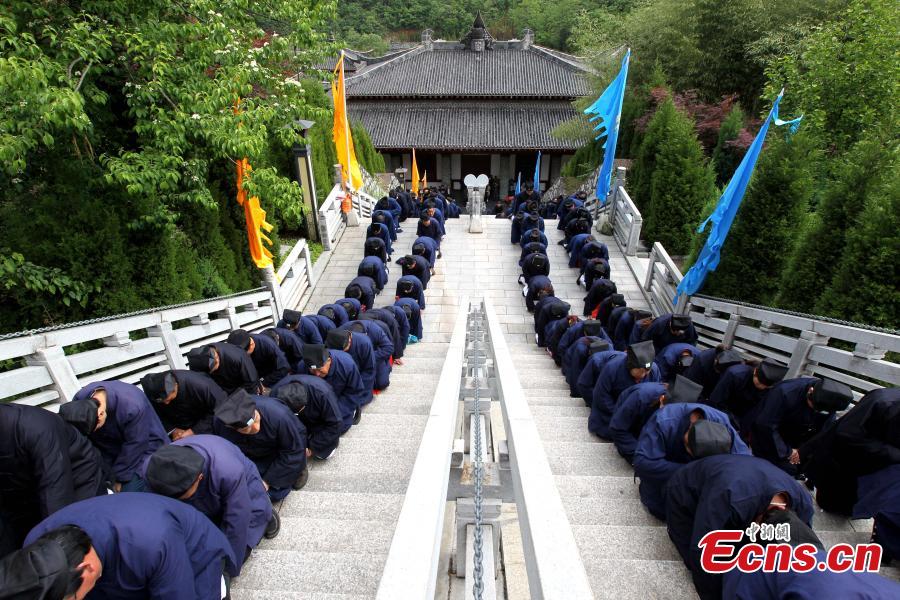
(728, 358)
(328, 313)
(357, 327)
(424, 217)
(293, 395)
(418, 249)
(685, 360)
(680, 322)
(801, 533)
(238, 410)
(315, 356)
(172, 470)
(407, 261)
(158, 386)
(378, 217)
(368, 269)
(291, 317)
(683, 390)
(201, 359)
(239, 338)
(598, 346)
(641, 314)
(407, 310)
(39, 571)
(519, 216)
(592, 328)
(617, 300)
(405, 286)
(640, 355)
(559, 310)
(831, 396)
(272, 334)
(770, 372)
(707, 438)
(337, 339)
(81, 414)
(350, 308)
(539, 261)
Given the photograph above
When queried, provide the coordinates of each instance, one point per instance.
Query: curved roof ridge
(400, 55)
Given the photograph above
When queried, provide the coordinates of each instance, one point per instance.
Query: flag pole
(349, 178)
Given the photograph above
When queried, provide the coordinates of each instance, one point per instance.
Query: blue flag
(519, 184)
(607, 110)
(727, 207)
(537, 174)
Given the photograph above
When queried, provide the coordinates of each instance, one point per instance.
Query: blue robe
(526, 238)
(132, 430)
(402, 324)
(724, 492)
(535, 284)
(661, 335)
(879, 497)
(378, 268)
(415, 319)
(323, 324)
(667, 359)
(431, 248)
(369, 291)
(622, 332)
(236, 369)
(278, 450)
(418, 292)
(231, 493)
(341, 315)
(363, 354)
(660, 451)
(348, 386)
(290, 343)
(614, 379)
(574, 249)
(703, 371)
(589, 375)
(390, 326)
(307, 330)
(575, 359)
(388, 222)
(151, 547)
(357, 305)
(384, 351)
(432, 230)
(635, 407)
(531, 248)
(422, 270)
(270, 362)
(380, 231)
(392, 207)
(736, 394)
(553, 331)
(194, 404)
(322, 415)
(575, 332)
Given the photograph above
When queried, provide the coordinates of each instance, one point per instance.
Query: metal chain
(478, 567)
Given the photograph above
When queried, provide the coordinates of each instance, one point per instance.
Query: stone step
(594, 449)
(304, 573)
(377, 462)
(242, 594)
(577, 410)
(364, 445)
(382, 508)
(304, 534)
(555, 401)
(618, 542)
(419, 365)
(637, 579)
(410, 403)
(377, 425)
(359, 481)
(574, 430)
(597, 486)
(626, 512)
(589, 465)
(549, 382)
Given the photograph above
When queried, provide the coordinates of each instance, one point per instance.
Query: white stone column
(54, 360)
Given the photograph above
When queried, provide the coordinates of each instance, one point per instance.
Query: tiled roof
(450, 71)
(467, 125)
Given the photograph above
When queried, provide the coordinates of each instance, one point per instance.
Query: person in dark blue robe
(742, 387)
(385, 218)
(313, 400)
(790, 414)
(539, 287)
(334, 312)
(339, 371)
(533, 265)
(403, 326)
(429, 227)
(228, 365)
(360, 349)
(391, 327)
(269, 435)
(589, 375)
(374, 246)
(532, 221)
(39, 571)
(673, 436)
(576, 214)
(142, 546)
(390, 204)
(577, 356)
(613, 322)
(289, 343)
(531, 248)
(546, 312)
(580, 328)
(436, 215)
(575, 226)
(565, 206)
(592, 270)
(322, 323)
(270, 362)
(409, 286)
(212, 475)
(621, 334)
(729, 491)
(45, 464)
(591, 249)
(607, 305)
(670, 329)
(674, 359)
(303, 326)
(184, 401)
(372, 267)
(426, 247)
(533, 236)
(515, 230)
(709, 365)
(126, 432)
(879, 498)
(363, 289)
(619, 374)
(574, 249)
(417, 266)
(383, 346)
(414, 314)
(383, 364)
(554, 332)
(378, 230)
(352, 307)
(598, 291)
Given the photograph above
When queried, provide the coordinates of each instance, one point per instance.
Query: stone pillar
(270, 280)
(65, 382)
(165, 332)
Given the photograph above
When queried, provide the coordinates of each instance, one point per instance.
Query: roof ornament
(478, 39)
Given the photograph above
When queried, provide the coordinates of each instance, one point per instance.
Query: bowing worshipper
(619, 374)
(577, 356)
(380, 231)
(539, 287)
(674, 359)
(575, 226)
(593, 269)
(609, 304)
(589, 375)
(731, 491)
(351, 306)
(185, 401)
(533, 236)
(790, 414)
(554, 332)
(529, 195)
(372, 267)
(339, 371)
(391, 326)
(409, 286)
(879, 498)
(426, 247)
(313, 401)
(289, 343)
(547, 311)
(564, 207)
(382, 343)
(515, 229)
(270, 362)
(374, 246)
(125, 432)
(591, 249)
(581, 328)
(337, 312)
(362, 289)
(673, 436)
(387, 219)
(669, 329)
(638, 403)
(629, 320)
(574, 249)
(742, 387)
(600, 289)
(269, 435)
(139, 546)
(229, 366)
(534, 264)
(614, 317)
(709, 365)
(323, 324)
(39, 571)
(532, 220)
(212, 475)
(389, 203)
(436, 214)
(303, 327)
(413, 314)
(401, 317)
(46, 464)
(531, 248)
(576, 214)
(412, 264)
(549, 208)
(429, 227)
(359, 347)
(863, 441)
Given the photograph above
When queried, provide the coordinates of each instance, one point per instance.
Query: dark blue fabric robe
(661, 335)
(418, 292)
(635, 407)
(322, 415)
(377, 267)
(270, 362)
(431, 248)
(589, 375)
(667, 359)
(614, 379)
(194, 404)
(415, 319)
(348, 386)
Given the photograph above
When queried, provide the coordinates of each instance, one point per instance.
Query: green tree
(640, 178)
(725, 157)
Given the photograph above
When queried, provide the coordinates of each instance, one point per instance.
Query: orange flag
(415, 174)
(254, 215)
(425, 180)
(343, 138)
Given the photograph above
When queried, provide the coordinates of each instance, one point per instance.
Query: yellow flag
(415, 174)
(343, 138)
(425, 181)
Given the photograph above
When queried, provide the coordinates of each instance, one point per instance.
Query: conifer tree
(645, 161)
(726, 158)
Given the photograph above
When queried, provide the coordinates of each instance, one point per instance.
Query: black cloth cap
(831, 396)
(559, 310)
(685, 360)
(315, 356)
(617, 300)
(418, 248)
(707, 438)
(271, 333)
(680, 322)
(728, 358)
(770, 372)
(640, 315)
(683, 390)
(291, 317)
(407, 310)
(238, 410)
(239, 338)
(201, 359)
(336, 339)
(405, 287)
(598, 346)
(293, 395)
(592, 328)
(81, 414)
(328, 313)
(40, 571)
(539, 261)
(640, 355)
(157, 386)
(350, 308)
(801, 533)
(172, 470)
(357, 327)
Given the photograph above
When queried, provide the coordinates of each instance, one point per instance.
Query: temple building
(476, 106)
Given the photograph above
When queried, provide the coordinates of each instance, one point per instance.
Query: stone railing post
(799, 363)
(54, 360)
(270, 281)
(165, 332)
